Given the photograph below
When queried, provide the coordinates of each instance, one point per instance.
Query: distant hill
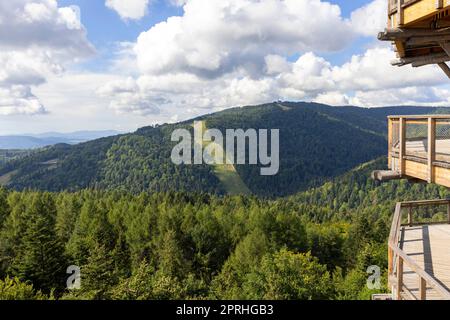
(318, 143)
(33, 141)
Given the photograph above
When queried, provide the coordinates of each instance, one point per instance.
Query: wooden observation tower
(420, 32)
(419, 150)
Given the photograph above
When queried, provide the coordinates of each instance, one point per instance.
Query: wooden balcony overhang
(418, 149)
(418, 251)
(420, 32)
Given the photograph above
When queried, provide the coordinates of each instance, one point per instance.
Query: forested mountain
(171, 242)
(317, 142)
(313, 245)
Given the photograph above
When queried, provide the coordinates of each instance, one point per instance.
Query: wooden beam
(448, 212)
(400, 13)
(445, 68)
(398, 33)
(413, 41)
(417, 203)
(390, 133)
(423, 288)
(383, 176)
(410, 216)
(446, 46)
(399, 277)
(422, 60)
(431, 59)
(431, 148)
(420, 117)
(390, 262)
(402, 139)
(401, 48)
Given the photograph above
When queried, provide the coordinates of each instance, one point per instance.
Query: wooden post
(399, 277)
(390, 144)
(431, 148)
(390, 262)
(402, 139)
(400, 13)
(448, 212)
(444, 68)
(439, 4)
(423, 289)
(446, 46)
(410, 216)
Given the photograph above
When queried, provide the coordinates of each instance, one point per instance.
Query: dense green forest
(9, 155)
(314, 245)
(140, 227)
(317, 142)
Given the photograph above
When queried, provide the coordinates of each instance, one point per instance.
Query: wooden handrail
(420, 272)
(419, 117)
(398, 258)
(419, 147)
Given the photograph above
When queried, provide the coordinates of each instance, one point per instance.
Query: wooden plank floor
(429, 247)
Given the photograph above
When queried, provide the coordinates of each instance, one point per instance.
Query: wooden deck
(419, 240)
(419, 252)
(419, 148)
(429, 247)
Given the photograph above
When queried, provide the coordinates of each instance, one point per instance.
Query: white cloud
(373, 71)
(225, 53)
(218, 54)
(26, 67)
(221, 53)
(215, 37)
(371, 18)
(128, 98)
(332, 98)
(366, 80)
(37, 39)
(42, 24)
(19, 100)
(276, 64)
(129, 9)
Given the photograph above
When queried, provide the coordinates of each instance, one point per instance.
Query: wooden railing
(396, 7)
(419, 147)
(396, 10)
(397, 258)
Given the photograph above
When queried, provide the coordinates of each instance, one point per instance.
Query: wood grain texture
(429, 247)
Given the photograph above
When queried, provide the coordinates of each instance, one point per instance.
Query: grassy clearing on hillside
(227, 173)
(6, 178)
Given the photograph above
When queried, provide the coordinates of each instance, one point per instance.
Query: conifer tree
(98, 274)
(40, 257)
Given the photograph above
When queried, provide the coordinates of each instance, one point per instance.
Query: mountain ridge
(317, 143)
(34, 141)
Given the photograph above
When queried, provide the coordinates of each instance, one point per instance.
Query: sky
(123, 64)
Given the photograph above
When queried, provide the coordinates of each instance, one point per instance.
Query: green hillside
(200, 246)
(226, 173)
(318, 142)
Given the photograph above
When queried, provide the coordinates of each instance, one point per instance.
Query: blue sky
(124, 64)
